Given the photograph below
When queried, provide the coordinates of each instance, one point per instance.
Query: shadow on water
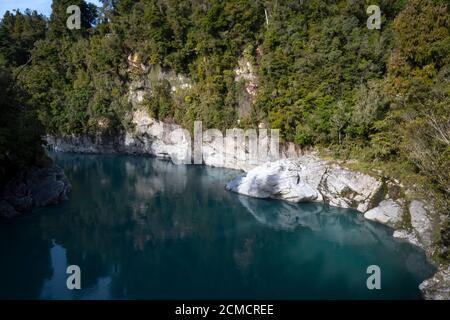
(144, 228)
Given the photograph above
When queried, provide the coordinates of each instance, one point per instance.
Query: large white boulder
(277, 180)
(307, 178)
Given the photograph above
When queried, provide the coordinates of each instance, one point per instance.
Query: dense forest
(378, 97)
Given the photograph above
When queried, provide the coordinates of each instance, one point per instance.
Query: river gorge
(141, 227)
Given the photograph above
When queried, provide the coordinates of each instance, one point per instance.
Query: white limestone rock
(421, 231)
(421, 223)
(216, 152)
(349, 189)
(408, 236)
(307, 178)
(159, 138)
(388, 212)
(277, 180)
(284, 179)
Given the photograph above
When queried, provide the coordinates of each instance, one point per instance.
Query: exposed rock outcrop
(31, 188)
(245, 77)
(245, 72)
(308, 178)
(421, 232)
(150, 136)
(388, 212)
(437, 287)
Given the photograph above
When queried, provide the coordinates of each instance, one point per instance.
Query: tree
(18, 34)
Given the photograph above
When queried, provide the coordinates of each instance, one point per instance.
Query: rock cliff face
(32, 188)
(150, 136)
(156, 138)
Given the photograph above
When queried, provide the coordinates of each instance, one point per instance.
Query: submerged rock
(33, 187)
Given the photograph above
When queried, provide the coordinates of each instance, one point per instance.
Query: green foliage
(20, 134)
(317, 57)
(79, 87)
(18, 34)
(160, 102)
(423, 30)
(419, 87)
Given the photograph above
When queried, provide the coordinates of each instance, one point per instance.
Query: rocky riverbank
(310, 179)
(33, 187)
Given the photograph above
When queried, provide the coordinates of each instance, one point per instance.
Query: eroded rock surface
(308, 178)
(388, 212)
(437, 287)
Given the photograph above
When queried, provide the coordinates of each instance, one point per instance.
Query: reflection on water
(144, 228)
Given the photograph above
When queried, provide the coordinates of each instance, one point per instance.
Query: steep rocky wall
(156, 138)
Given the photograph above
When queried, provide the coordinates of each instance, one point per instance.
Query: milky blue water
(142, 228)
